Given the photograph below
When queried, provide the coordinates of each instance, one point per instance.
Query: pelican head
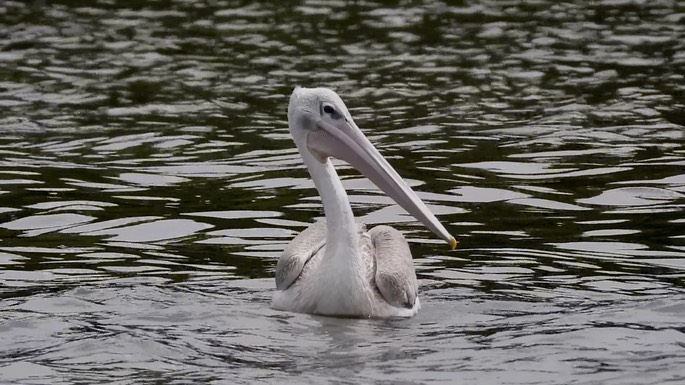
(322, 127)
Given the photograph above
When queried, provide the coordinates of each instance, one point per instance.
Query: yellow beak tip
(453, 243)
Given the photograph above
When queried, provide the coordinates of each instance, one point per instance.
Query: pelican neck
(342, 230)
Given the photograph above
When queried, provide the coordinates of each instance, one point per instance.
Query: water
(148, 184)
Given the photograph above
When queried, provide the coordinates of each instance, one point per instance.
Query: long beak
(345, 141)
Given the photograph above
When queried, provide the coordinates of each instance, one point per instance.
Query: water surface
(148, 184)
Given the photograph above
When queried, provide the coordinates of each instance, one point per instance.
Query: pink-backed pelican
(336, 267)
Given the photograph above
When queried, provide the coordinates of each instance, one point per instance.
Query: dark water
(148, 184)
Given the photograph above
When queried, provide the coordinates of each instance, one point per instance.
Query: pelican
(336, 267)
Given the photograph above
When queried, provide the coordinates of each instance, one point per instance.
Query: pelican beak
(342, 139)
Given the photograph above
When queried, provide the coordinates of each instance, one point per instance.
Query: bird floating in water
(336, 267)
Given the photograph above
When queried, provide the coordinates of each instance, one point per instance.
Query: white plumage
(336, 267)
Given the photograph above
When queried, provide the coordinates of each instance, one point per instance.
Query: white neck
(341, 271)
(342, 231)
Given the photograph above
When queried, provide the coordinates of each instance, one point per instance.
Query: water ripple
(149, 183)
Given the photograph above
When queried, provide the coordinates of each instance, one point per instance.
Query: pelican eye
(330, 110)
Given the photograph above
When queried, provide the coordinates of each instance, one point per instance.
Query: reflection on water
(148, 184)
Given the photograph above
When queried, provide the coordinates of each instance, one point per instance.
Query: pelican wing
(395, 275)
(305, 245)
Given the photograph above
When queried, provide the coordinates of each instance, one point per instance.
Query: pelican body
(336, 267)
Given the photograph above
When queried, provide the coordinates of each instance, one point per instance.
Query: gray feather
(298, 252)
(395, 274)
